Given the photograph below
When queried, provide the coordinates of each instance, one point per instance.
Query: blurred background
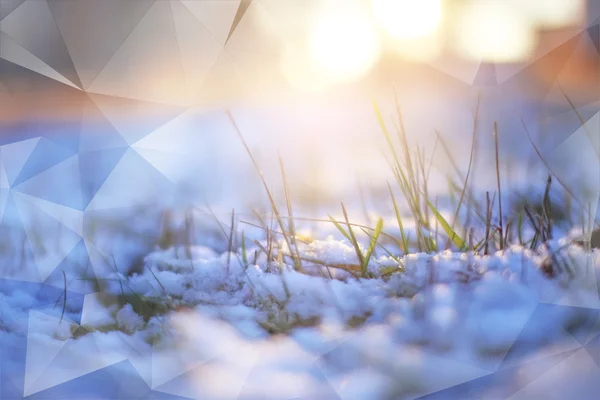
(109, 104)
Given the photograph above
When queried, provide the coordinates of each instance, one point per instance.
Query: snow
(439, 321)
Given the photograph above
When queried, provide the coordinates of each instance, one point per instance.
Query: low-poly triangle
(486, 75)
(4, 193)
(47, 44)
(133, 181)
(65, 133)
(46, 184)
(593, 349)
(199, 48)
(477, 388)
(47, 254)
(97, 132)
(150, 50)
(39, 360)
(45, 155)
(552, 64)
(77, 269)
(74, 359)
(239, 15)
(216, 15)
(575, 377)
(16, 54)
(69, 217)
(531, 343)
(94, 168)
(134, 119)
(91, 41)
(23, 265)
(594, 34)
(8, 6)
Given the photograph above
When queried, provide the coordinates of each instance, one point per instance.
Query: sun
(344, 44)
(406, 19)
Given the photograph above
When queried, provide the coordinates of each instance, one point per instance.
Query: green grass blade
(399, 218)
(340, 228)
(244, 254)
(353, 239)
(372, 245)
(456, 239)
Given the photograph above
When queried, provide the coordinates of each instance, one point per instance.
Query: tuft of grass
(452, 235)
(372, 244)
(412, 178)
(296, 261)
(348, 233)
(291, 225)
(399, 219)
(471, 157)
(352, 236)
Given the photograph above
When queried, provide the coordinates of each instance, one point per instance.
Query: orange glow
(493, 31)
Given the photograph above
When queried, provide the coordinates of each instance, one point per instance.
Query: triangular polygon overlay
(4, 193)
(93, 31)
(70, 181)
(239, 15)
(486, 76)
(134, 119)
(151, 50)
(594, 34)
(4, 183)
(70, 359)
(20, 257)
(14, 157)
(17, 54)
(119, 190)
(46, 184)
(577, 376)
(69, 217)
(38, 361)
(216, 15)
(8, 6)
(45, 155)
(199, 48)
(256, 32)
(75, 272)
(495, 383)
(96, 130)
(47, 44)
(47, 254)
(95, 167)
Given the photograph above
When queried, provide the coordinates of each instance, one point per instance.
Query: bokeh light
(343, 42)
(493, 31)
(551, 14)
(404, 19)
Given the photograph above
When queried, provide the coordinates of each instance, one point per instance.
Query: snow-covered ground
(198, 324)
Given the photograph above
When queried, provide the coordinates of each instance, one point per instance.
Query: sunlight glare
(299, 73)
(422, 49)
(494, 31)
(404, 19)
(343, 43)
